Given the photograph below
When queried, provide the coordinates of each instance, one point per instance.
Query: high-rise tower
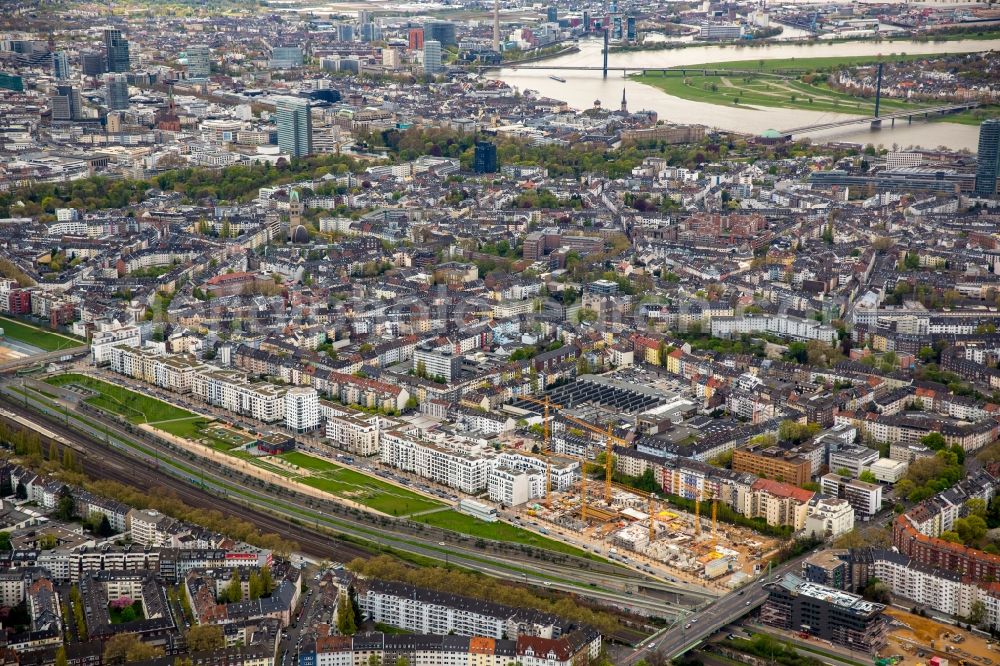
(116, 47)
(294, 126)
(988, 159)
(496, 25)
(116, 91)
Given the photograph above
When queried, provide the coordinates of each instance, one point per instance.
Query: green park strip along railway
(104, 462)
(655, 597)
(113, 465)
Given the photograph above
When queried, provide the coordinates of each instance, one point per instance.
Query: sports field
(223, 438)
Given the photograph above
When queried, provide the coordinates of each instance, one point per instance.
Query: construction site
(627, 525)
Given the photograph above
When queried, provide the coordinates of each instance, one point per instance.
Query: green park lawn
(311, 463)
(799, 65)
(35, 336)
(766, 89)
(361, 488)
(135, 407)
(498, 531)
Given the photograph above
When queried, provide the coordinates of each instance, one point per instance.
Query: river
(583, 87)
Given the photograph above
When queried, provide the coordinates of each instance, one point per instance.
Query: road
(115, 458)
(665, 579)
(25, 361)
(691, 630)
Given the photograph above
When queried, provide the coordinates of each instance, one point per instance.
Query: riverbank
(585, 86)
(539, 58)
(991, 32)
(769, 89)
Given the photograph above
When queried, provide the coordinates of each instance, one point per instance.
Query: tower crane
(610, 439)
(652, 513)
(546, 443)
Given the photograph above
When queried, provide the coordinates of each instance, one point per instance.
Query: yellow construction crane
(610, 439)
(583, 491)
(715, 511)
(546, 404)
(652, 514)
(697, 514)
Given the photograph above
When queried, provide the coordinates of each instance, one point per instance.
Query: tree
(347, 623)
(970, 529)
(374, 660)
(976, 507)
(254, 585)
(868, 476)
(266, 581)
(124, 648)
(977, 612)
(104, 528)
(66, 506)
(233, 592)
(61, 656)
(5, 544)
(205, 637)
(951, 536)
(69, 460)
(793, 431)
(878, 592)
(935, 441)
(402, 661)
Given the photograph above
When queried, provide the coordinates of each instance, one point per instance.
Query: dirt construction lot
(937, 638)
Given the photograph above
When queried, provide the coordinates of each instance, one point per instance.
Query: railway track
(116, 466)
(114, 461)
(113, 465)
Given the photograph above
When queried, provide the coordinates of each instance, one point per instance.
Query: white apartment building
(359, 434)
(939, 589)
(13, 585)
(511, 487)
(458, 464)
(424, 611)
(230, 390)
(227, 389)
(516, 478)
(301, 408)
(102, 341)
(852, 458)
(174, 373)
(777, 324)
(146, 526)
(829, 518)
(437, 363)
(866, 498)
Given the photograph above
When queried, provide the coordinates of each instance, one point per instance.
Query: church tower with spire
(624, 103)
